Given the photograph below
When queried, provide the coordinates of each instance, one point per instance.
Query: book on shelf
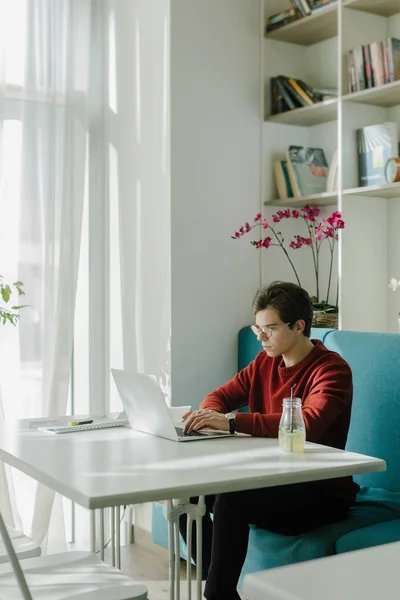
(299, 10)
(308, 170)
(375, 145)
(284, 18)
(288, 93)
(316, 4)
(373, 65)
(332, 180)
(282, 179)
(321, 94)
(302, 6)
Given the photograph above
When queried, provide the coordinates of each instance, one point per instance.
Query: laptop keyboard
(180, 432)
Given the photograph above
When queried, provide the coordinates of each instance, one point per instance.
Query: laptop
(147, 411)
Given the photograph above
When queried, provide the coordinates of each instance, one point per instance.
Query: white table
(115, 467)
(361, 575)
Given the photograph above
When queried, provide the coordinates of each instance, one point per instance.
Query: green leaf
(6, 293)
(18, 286)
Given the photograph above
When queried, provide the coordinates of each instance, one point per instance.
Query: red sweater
(324, 384)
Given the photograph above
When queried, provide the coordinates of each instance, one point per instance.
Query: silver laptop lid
(144, 403)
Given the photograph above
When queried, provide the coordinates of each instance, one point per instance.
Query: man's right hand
(194, 413)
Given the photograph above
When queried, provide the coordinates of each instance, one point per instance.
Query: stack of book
(300, 8)
(374, 64)
(288, 93)
(304, 172)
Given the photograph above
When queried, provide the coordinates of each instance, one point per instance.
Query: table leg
(118, 536)
(171, 548)
(93, 531)
(112, 532)
(102, 534)
(200, 512)
(189, 555)
(177, 561)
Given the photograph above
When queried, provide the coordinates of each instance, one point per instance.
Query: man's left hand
(200, 419)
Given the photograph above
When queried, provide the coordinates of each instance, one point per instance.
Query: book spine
(377, 63)
(316, 4)
(282, 179)
(292, 177)
(314, 97)
(287, 179)
(281, 19)
(359, 68)
(367, 67)
(352, 72)
(396, 58)
(299, 6)
(298, 101)
(272, 89)
(306, 7)
(389, 49)
(386, 72)
(300, 93)
(285, 95)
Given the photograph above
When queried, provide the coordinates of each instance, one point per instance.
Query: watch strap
(232, 423)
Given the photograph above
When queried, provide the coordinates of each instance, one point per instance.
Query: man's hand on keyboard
(200, 419)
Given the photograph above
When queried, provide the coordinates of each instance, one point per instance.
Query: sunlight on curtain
(44, 80)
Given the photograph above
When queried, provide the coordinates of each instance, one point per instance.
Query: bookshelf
(384, 8)
(384, 95)
(325, 199)
(322, 112)
(389, 190)
(315, 50)
(310, 30)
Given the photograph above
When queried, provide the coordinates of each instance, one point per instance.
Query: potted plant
(317, 233)
(10, 314)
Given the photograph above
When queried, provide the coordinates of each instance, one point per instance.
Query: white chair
(66, 576)
(23, 546)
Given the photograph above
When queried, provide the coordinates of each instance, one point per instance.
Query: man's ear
(300, 325)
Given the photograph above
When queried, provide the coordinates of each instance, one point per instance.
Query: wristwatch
(231, 417)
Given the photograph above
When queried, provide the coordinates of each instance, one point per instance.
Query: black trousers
(288, 510)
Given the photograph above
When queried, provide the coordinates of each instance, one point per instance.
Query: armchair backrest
(374, 359)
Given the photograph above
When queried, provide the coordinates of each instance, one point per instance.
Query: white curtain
(46, 49)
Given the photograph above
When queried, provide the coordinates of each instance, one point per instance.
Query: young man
(283, 314)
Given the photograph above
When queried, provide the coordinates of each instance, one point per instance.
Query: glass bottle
(292, 429)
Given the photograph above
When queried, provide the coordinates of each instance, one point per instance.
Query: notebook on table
(97, 424)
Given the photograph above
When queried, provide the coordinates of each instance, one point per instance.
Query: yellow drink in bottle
(292, 442)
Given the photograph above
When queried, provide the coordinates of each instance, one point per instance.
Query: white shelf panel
(322, 112)
(385, 8)
(389, 190)
(325, 199)
(384, 95)
(319, 26)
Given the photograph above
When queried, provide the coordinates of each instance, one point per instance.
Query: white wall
(215, 186)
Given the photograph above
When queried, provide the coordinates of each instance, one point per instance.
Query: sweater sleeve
(330, 393)
(232, 395)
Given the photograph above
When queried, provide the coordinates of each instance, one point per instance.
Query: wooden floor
(146, 562)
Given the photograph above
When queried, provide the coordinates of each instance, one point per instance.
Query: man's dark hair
(291, 302)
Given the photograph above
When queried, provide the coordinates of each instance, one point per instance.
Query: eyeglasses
(266, 330)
